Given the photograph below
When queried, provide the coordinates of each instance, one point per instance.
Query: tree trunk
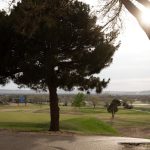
(94, 106)
(54, 108)
(113, 114)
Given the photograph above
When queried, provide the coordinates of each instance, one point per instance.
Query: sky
(130, 70)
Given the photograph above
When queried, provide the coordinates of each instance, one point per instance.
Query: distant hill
(119, 93)
(126, 93)
(4, 92)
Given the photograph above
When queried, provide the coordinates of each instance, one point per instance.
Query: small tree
(127, 106)
(79, 100)
(94, 100)
(113, 107)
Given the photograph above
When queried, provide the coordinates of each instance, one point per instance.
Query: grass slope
(33, 118)
(88, 126)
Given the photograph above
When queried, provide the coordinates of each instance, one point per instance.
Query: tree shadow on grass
(25, 126)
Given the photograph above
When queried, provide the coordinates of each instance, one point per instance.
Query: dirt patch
(41, 111)
(141, 132)
(135, 146)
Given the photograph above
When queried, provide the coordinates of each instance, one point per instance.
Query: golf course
(83, 120)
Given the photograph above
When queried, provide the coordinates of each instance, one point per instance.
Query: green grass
(143, 109)
(84, 120)
(27, 121)
(88, 126)
(24, 121)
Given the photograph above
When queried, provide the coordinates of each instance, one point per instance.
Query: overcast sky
(130, 70)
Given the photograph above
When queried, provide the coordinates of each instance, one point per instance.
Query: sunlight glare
(146, 16)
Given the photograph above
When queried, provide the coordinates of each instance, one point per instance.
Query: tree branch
(145, 3)
(136, 12)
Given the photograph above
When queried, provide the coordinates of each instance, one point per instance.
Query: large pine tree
(56, 44)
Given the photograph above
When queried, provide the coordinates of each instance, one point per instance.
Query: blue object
(21, 99)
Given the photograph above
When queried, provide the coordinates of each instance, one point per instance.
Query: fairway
(84, 120)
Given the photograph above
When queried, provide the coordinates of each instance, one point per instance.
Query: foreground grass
(33, 118)
(88, 126)
(79, 120)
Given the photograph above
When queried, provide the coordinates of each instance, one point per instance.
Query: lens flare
(146, 16)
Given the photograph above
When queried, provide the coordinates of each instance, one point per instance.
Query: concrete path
(61, 141)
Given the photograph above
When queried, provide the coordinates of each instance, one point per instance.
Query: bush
(79, 100)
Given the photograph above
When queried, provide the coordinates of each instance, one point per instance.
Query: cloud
(141, 84)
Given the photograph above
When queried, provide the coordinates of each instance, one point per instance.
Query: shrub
(79, 100)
